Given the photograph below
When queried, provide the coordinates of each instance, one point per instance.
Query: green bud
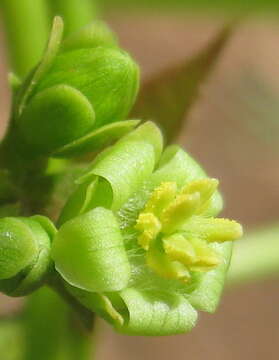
(90, 36)
(107, 77)
(24, 253)
(84, 91)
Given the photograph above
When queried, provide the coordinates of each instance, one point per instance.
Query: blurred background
(233, 130)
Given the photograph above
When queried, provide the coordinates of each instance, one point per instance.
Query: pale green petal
(156, 313)
(209, 285)
(96, 139)
(129, 163)
(89, 252)
(176, 165)
(138, 312)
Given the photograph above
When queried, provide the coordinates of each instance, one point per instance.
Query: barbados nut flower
(25, 261)
(139, 242)
(79, 96)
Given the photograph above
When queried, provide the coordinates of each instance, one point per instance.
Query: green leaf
(168, 97)
(89, 252)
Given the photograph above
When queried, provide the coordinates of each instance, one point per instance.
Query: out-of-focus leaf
(168, 97)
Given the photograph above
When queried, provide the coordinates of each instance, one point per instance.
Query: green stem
(256, 257)
(27, 28)
(75, 13)
(51, 331)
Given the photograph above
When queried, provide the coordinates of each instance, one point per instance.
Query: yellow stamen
(166, 268)
(207, 258)
(180, 249)
(161, 197)
(214, 229)
(150, 226)
(179, 210)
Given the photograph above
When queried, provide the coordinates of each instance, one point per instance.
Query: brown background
(234, 132)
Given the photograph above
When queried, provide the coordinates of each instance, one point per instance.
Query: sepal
(89, 252)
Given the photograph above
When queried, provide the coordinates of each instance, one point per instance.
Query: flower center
(176, 233)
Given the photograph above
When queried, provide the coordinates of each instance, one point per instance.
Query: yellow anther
(179, 210)
(214, 229)
(159, 262)
(180, 249)
(150, 227)
(161, 197)
(207, 258)
(183, 245)
(205, 187)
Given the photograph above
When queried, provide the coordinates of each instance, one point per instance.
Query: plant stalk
(255, 257)
(51, 330)
(27, 28)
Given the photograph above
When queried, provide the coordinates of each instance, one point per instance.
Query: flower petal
(89, 252)
(96, 139)
(138, 312)
(151, 313)
(128, 163)
(209, 285)
(176, 165)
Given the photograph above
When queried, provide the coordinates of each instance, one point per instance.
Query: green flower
(138, 241)
(25, 245)
(79, 95)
